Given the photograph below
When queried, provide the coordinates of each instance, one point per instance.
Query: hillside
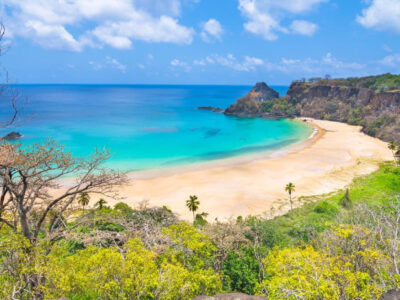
(148, 253)
(372, 102)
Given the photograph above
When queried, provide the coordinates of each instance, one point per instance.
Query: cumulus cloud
(247, 64)
(391, 60)
(54, 24)
(265, 16)
(316, 67)
(327, 64)
(303, 27)
(381, 15)
(211, 29)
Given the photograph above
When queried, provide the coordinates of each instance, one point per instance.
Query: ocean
(149, 126)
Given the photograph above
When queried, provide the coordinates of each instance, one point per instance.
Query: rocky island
(249, 105)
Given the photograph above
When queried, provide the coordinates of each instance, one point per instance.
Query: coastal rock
(249, 105)
(377, 112)
(262, 92)
(213, 109)
(12, 136)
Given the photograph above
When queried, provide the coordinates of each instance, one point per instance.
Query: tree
(31, 194)
(7, 93)
(290, 188)
(100, 204)
(395, 149)
(346, 201)
(193, 204)
(83, 199)
(33, 201)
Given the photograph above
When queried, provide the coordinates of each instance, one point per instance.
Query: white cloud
(176, 63)
(265, 16)
(211, 29)
(381, 15)
(116, 64)
(108, 62)
(247, 64)
(303, 27)
(316, 67)
(391, 60)
(116, 23)
(304, 67)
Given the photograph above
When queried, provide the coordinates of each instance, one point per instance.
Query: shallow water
(148, 127)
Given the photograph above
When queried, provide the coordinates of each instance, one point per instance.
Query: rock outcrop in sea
(12, 136)
(249, 105)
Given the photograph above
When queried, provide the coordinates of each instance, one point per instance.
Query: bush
(325, 207)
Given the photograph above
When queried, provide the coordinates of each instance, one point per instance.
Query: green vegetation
(380, 83)
(290, 188)
(193, 205)
(83, 199)
(355, 101)
(286, 107)
(329, 248)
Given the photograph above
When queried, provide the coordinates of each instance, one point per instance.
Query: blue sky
(198, 41)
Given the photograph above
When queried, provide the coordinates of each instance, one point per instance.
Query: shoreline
(232, 161)
(324, 163)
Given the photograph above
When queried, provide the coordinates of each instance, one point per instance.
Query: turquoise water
(150, 127)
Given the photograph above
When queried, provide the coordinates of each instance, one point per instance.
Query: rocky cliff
(377, 112)
(249, 105)
(372, 102)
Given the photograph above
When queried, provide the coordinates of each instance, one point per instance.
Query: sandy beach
(326, 162)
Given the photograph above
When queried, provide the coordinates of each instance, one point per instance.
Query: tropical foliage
(322, 250)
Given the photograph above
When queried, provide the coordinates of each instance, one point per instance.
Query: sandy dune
(325, 163)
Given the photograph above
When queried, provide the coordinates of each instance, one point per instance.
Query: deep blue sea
(149, 126)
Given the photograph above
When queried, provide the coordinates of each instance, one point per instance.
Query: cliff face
(249, 105)
(378, 113)
(378, 102)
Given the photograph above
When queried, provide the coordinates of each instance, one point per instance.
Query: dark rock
(262, 92)
(391, 295)
(12, 136)
(231, 296)
(249, 105)
(213, 109)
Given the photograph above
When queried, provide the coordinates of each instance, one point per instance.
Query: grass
(315, 215)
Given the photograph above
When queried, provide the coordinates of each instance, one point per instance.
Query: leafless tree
(11, 101)
(31, 194)
(227, 236)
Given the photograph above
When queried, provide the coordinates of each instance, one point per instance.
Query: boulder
(12, 136)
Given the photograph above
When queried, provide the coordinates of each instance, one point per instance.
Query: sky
(197, 41)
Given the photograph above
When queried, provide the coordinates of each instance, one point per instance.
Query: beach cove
(327, 162)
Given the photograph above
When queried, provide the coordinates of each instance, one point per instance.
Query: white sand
(327, 162)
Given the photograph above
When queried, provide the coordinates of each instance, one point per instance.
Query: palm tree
(193, 204)
(393, 147)
(290, 188)
(83, 199)
(100, 204)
